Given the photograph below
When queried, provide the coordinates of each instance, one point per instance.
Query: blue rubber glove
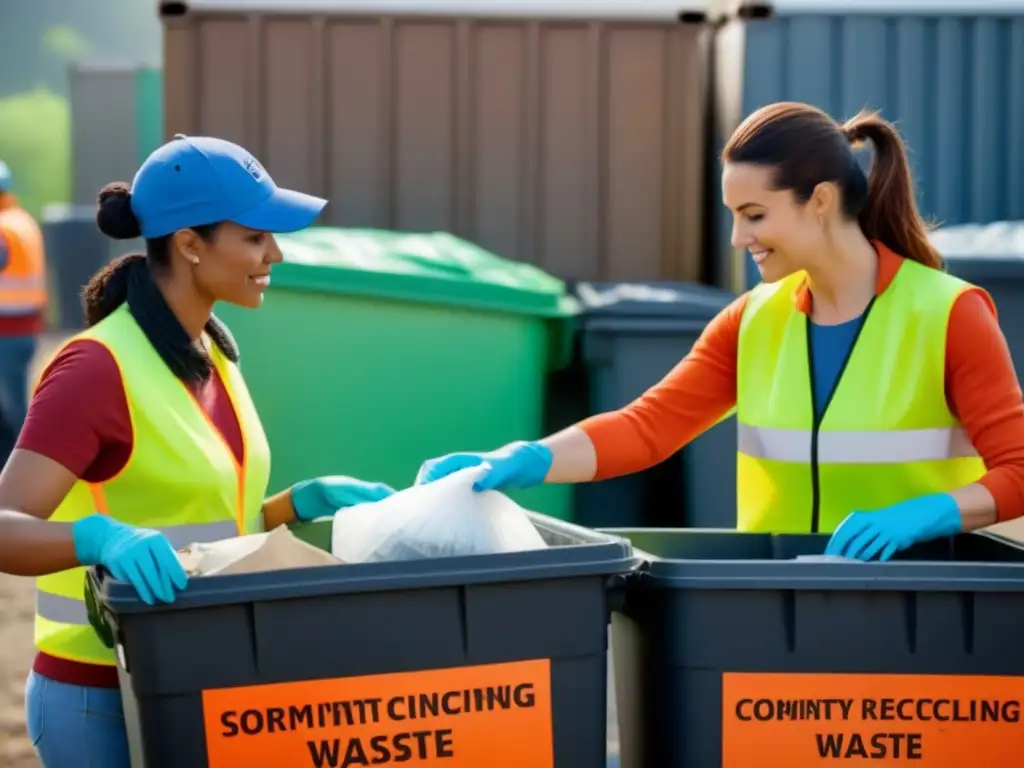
(142, 557)
(516, 465)
(323, 496)
(881, 534)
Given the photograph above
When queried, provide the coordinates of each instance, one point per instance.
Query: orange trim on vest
(99, 498)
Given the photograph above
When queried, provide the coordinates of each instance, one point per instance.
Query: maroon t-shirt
(79, 418)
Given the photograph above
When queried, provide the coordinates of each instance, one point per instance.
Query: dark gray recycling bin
(992, 257)
(632, 335)
(75, 250)
(508, 662)
(734, 650)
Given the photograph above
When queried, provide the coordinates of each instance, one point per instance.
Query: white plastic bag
(445, 518)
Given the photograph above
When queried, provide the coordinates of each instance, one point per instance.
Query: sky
(38, 36)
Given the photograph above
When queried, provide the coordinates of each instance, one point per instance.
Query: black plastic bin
(991, 256)
(743, 657)
(633, 334)
(489, 661)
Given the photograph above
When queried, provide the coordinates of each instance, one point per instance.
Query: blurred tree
(66, 44)
(35, 142)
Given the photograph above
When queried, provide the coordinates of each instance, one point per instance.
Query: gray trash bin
(992, 257)
(75, 250)
(632, 335)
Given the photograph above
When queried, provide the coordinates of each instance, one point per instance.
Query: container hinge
(617, 587)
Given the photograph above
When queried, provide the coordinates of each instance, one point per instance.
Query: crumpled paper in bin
(276, 550)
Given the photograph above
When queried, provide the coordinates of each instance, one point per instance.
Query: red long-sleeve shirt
(982, 391)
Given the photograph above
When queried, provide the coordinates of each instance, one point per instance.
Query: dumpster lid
(998, 239)
(433, 267)
(635, 10)
(682, 301)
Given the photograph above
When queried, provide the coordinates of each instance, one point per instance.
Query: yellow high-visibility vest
(182, 478)
(887, 433)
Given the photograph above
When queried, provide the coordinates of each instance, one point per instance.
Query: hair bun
(114, 217)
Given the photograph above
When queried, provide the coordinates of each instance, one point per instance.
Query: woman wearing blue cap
(141, 436)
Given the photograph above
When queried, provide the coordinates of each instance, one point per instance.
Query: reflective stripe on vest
(887, 434)
(182, 478)
(23, 281)
(897, 446)
(67, 610)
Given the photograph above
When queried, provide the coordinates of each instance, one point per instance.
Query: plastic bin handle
(98, 616)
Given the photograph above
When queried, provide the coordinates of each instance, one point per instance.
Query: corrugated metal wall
(953, 83)
(575, 144)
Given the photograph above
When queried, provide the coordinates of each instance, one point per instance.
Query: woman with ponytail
(141, 436)
(875, 395)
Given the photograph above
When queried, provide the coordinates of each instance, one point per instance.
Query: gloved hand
(516, 465)
(881, 534)
(323, 496)
(142, 557)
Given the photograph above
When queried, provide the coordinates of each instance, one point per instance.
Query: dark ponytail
(130, 279)
(890, 213)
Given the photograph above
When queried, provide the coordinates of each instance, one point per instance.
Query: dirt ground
(16, 611)
(16, 642)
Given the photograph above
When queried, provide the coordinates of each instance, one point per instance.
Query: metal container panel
(574, 144)
(102, 106)
(953, 82)
(116, 121)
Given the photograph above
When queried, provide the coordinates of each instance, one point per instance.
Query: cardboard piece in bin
(276, 550)
(1008, 532)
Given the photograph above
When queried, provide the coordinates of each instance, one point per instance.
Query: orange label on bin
(496, 715)
(809, 720)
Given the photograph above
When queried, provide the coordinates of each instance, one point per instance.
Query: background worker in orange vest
(22, 303)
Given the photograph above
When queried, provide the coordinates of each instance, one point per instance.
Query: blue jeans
(16, 353)
(72, 726)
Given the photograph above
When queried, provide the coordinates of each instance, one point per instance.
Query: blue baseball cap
(196, 180)
(5, 177)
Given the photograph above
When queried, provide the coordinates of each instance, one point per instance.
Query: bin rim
(649, 301)
(668, 573)
(597, 554)
(980, 269)
(796, 576)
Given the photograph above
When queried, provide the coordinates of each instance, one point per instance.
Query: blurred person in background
(141, 436)
(22, 304)
(875, 394)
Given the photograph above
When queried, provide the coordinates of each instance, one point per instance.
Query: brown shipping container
(570, 137)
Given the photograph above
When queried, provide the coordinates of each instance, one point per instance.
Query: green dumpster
(374, 351)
